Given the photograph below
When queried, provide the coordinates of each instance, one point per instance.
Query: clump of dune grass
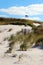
(26, 40)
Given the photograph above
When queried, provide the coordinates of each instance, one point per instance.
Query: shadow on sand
(40, 47)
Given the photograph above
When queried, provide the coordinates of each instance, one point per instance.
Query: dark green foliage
(23, 47)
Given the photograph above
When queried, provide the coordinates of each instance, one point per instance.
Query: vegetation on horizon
(14, 21)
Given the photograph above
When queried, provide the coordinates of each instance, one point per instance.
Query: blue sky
(19, 8)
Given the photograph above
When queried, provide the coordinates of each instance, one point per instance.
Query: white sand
(36, 24)
(33, 56)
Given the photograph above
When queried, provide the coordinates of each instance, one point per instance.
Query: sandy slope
(33, 56)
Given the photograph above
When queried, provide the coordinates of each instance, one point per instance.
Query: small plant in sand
(9, 30)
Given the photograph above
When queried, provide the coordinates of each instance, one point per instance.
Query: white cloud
(34, 9)
(14, 10)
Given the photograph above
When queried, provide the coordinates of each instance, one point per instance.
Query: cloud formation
(34, 9)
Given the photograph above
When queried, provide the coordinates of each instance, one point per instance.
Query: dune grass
(26, 40)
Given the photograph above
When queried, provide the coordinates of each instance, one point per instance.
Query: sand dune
(33, 56)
